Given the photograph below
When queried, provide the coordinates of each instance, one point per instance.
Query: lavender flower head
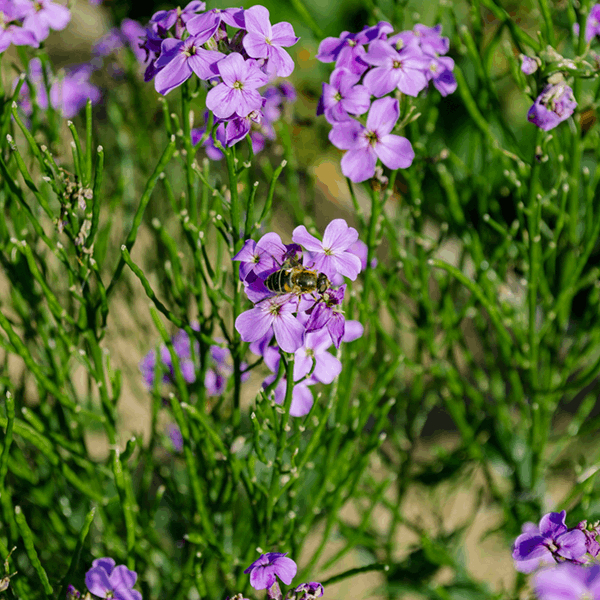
(265, 570)
(529, 65)
(105, 580)
(568, 582)
(551, 542)
(553, 106)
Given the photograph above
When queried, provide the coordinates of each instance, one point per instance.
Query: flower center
(310, 352)
(351, 43)
(433, 68)
(275, 309)
(338, 97)
(400, 44)
(268, 41)
(328, 251)
(38, 6)
(238, 85)
(372, 137)
(397, 64)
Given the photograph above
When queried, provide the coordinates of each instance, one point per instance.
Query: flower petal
(257, 21)
(301, 236)
(97, 582)
(383, 116)
(347, 264)
(173, 75)
(262, 578)
(395, 152)
(283, 34)
(289, 332)
(56, 16)
(380, 81)
(256, 45)
(281, 62)
(328, 368)
(359, 165)
(221, 100)
(253, 324)
(122, 578)
(348, 135)
(232, 68)
(302, 401)
(338, 236)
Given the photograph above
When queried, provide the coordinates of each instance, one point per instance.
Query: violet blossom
(342, 95)
(331, 256)
(237, 92)
(44, 15)
(309, 591)
(267, 567)
(552, 541)
(366, 144)
(326, 366)
(266, 41)
(106, 580)
(554, 105)
(568, 582)
(529, 65)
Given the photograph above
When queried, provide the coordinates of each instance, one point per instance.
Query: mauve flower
(529, 65)
(275, 313)
(366, 144)
(263, 571)
(430, 39)
(45, 15)
(165, 19)
(404, 70)
(264, 41)
(234, 17)
(237, 93)
(327, 313)
(179, 59)
(309, 591)
(327, 366)
(71, 92)
(592, 26)
(342, 96)
(552, 540)
(107, 581)
(554, 105)
(331, 256)
(591, 541)
(440, 71)
(568, 582)
(263, 257)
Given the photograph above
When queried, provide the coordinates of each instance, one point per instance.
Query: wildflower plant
(220, 370)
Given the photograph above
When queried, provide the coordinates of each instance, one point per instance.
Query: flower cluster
(275, 97)
(28, 22)
(375, 63)
(294, 301)
(215, 380)
(265, 570)
(238, 51)
(562, 557)
(69, 91)
(105, 580)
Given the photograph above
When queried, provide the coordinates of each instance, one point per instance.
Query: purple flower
(529, 65)
(276, 313)
(309, 591)
(554, 105)
(70, 93)
(237, 93)
(327, 366)
(342, 96)
(264, 41)
(592, 26)
(328, 314)
(430, 40)
(209, 144)
(175, 436)
(45, 15)
(404, 70)
(552, 540)
(263, 257)
(107, 581)
(165, 19)
(568, 582)
(302, 398)
(133, 33)
(331, 255)
(440, 71)
(179, 59)
(234, 17)
(108, 43)
(263, 571)
(591, 542)
(11, 31)
(366, 144)
(72, 593)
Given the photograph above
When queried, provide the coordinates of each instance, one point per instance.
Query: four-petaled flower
(267, 566)
(331, 256)
(105, 580)
(237, 93)
(555, 104)
(342, 96)
(266, 41)
(552, 541)
(366, 144)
